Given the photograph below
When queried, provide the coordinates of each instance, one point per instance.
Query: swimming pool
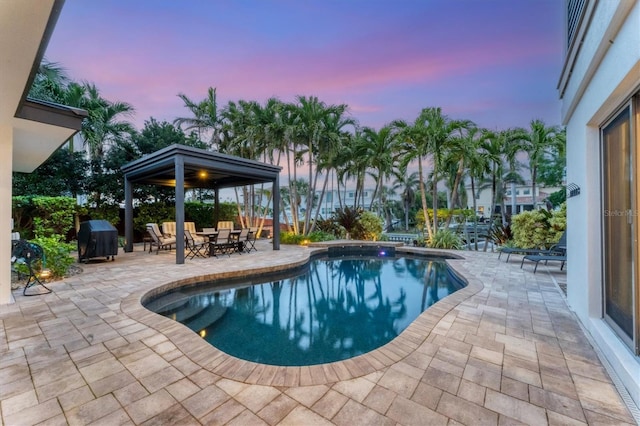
(340, 305)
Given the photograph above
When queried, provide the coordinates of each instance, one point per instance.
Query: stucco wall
(606, 73)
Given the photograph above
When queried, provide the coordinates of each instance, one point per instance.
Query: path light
(203, 333)
(45, 273)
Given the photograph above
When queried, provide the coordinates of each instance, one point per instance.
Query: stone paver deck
(504, 350)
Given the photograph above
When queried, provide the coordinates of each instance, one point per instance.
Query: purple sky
(495, 62)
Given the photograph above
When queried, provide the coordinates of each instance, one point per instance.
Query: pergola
(185, 167)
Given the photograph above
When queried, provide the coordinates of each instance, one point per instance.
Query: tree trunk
(423, 196)
(454, 192)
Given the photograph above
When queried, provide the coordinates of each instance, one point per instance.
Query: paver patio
(504, 350)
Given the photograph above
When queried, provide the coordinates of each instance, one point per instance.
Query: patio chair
(26, 253)
(250, 243)
(241, 240)
(562, 243)
(157, 239)
(199, 249)
(223, 243)
(168, 229)
(191, 226)
(225, 224)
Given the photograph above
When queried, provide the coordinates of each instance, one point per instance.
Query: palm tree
(334, 138)
(414, 147)
(408, 183)
(538, 142)
(205, 118)
(492, 146)
(461, 149)
(104, 126)
(379, 149)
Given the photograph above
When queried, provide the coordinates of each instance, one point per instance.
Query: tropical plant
(349, 219)
(445, 239)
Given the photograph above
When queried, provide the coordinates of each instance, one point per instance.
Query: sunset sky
(495, 62)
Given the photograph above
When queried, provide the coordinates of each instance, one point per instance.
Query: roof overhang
(202, 169)
(39, 128)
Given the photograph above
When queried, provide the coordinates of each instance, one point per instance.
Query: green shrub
(57, 256)
(446, 239)
(370, 225)
(153, 213)
(538, 228)
(43, 216)
(108, 212)
(318, 236)
(314, 237)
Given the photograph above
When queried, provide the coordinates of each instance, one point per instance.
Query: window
(526, 191)
(350, 195)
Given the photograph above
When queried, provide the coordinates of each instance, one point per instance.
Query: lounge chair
(557, 252)
(562, 243)
(157, 239)
(199, 249)
(537, 258)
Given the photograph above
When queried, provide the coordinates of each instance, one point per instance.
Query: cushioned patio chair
(562, 243)
(168, 229)
(157, 239)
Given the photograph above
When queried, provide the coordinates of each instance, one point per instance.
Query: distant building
(524, 199)
(600, 92)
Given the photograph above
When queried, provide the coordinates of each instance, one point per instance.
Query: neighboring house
(30, 131)
(524, 199)
(600, 92)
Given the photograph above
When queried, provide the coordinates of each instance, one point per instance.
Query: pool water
(338, 308)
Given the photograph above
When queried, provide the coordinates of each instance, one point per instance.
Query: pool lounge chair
(537, 258)
(562, 244)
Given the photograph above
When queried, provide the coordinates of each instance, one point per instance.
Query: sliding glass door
(619, 231)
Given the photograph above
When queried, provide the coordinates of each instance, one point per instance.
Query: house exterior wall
(606, 72)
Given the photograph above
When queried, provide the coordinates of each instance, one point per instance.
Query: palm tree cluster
(320, 141)
(316, 142)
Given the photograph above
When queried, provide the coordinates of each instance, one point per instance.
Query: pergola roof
(185, 167)
(202, 169)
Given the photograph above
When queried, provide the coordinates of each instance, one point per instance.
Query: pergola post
(276, 213)
(128, 216)
(179, 165)
(216, 207)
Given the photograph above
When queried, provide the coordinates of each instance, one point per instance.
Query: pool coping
(227, 366)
